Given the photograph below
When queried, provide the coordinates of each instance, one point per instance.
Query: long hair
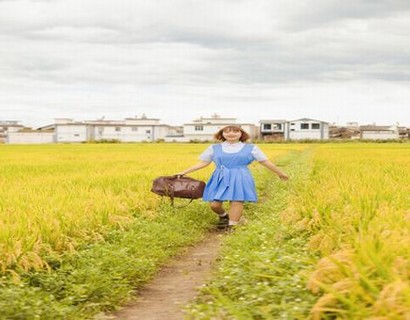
(219, 136)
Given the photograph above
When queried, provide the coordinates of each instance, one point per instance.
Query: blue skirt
(230, 184)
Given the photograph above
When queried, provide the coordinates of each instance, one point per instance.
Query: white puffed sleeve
(258, 154)
(207, 155)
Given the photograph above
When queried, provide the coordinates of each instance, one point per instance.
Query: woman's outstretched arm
(268, 164)
(198, 166)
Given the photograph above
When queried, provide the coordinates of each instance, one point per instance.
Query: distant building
(373, 132)
(305, 128)
(31, 136)
(273, 130)
(7, 127)
(127, 130)
(299, 129)
(203, 129)
(143, 129)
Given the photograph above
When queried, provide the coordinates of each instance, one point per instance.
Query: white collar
(226, 143)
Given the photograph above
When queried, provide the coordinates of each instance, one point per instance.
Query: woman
(231, 181)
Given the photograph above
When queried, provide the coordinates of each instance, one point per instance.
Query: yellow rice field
(56, 197)
(356, 205)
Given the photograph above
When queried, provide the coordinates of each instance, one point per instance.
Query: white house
(203, 129)
(273, 129)
(294, 130)
(128, 130)
(8, 126)
(373, 132)
(306, 128)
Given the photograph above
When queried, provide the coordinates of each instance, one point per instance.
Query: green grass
(101, 276)
(329, 244)
(262, 272)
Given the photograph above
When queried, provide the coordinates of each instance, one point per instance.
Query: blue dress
(231, 180)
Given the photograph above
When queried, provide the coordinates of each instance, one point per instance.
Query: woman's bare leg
(235, 211)
(217, 207)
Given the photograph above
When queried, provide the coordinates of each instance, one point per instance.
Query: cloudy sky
(177, 60)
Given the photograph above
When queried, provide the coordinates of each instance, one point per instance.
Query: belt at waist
(222, 167)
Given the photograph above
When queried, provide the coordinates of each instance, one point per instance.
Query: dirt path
(175, 285)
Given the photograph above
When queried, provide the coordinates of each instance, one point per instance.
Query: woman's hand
(268, 164)
(283, 176)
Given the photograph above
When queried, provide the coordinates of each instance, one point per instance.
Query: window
(199, 128)
(76, 135)
(134, 128)
(267, 126)
(315, 125)
(148, 131)
(304, 126)
(117, 129)
(100, 130)
(277, 126)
